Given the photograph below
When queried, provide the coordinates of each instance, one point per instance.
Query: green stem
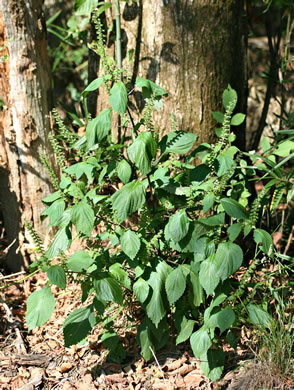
(21, 280)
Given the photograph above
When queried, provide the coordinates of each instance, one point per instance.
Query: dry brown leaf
(174, 365)
(185, 369)
(68, 386)
(5, 380)
(65, 367)
(84, 386)
(193, 378)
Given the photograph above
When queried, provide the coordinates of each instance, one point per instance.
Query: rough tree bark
(24, 120)
(193, 49)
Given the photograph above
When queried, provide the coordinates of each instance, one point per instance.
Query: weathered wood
(24, 121)
(193, 49)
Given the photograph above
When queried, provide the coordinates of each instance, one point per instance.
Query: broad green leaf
(52, 197)
(56, 275)
(175, 285)
(141, 289)
(79, 169)
(185, 331)
(130, 243)
(84, 7)
(228, 259)
(192, 241)
(212, 364)
(156, 308)
(234, 231)
(99, 127)
(199, 174)
(238, 119)
(265, 144)
(234, 209)
(95, 84)
(178, 226)
(79, 261)
(118, 98)
(223, 319)
(208, 276)
(142, 150)
(230, 97)
(208, 201)
(61, 242)
(198, 293)
(231, 339)
(82, 216)
(40, 306)
(200, 342)
(218, 116)
(108, 289)
(78, 324)
(284, 148)
(258, 316)
(110, 340)
(179, 142)
(263, 237)
(54, 212)
(120, 274)
(213, 220)
(124, 171)
(144, 340)
(149, 88)
(128, 199)
(224, 163)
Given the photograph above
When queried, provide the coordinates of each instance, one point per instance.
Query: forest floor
(38, 360)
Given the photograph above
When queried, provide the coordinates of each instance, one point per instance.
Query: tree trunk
(193, 49)
(24, 121)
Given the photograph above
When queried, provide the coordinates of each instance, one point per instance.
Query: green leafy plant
(153, 227)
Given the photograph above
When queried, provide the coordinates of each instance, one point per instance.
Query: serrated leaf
(198, 293)
(185, 331)
(208, 202)
(155, 308)
(234, 231)
(178, 226)
(124, 171)
(141, 289)
(129, 199)
(61, 242)
(179, 142)
(99, 127)
(142, 151)
(223, 319)
(108, 289)
(200, 342)
(40, 306)
(149, 88)
(118, 98)
(199, 174)
(228, 259)
(218, 116)
(238, 119)
(192, 241)
(78, 325)
(52, 197)
(84, 7)
(258, 316)
(79, 169)
(95, 84)
(82, 216)
(212, 364)
(120, 274)
(130, 243)
(56, 275)
(175, 285)
(144, 340)
(79, 261)
(229, 96)
(208, 276)
(234, 209)
(54, 212)
(263, 237)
